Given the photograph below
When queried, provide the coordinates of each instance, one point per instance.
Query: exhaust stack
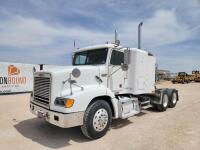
(116, 36)
(117, 42)
(139, 35)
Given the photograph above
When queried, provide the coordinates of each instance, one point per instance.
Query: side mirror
(124, 67)
(127, 56)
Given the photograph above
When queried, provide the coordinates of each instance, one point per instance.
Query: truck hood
(59, 75)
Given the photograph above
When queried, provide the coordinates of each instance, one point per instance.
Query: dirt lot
(175, 129)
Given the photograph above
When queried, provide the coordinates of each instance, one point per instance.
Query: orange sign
(12, 70)
(14, 77)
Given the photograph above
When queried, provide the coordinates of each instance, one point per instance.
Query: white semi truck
(105, 82)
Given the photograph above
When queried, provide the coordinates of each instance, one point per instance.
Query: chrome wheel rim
(100, 120)
(165, 100)
(174, 98)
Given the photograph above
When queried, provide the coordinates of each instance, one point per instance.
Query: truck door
(116, 74)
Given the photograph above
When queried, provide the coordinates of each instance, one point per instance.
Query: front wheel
(97, 120)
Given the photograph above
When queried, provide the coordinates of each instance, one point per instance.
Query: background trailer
(17, 77)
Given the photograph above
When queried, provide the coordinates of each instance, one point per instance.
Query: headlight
(64, 102)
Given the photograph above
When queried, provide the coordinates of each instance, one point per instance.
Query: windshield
(181, 73)
(91, 57)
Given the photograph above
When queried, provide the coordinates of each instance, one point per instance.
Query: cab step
(145, 104)
(146, 107)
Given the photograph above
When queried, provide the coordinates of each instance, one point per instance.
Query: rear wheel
(173, 99)
(97, 119)
(165, 102)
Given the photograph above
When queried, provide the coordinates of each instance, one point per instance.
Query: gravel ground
(176, 129)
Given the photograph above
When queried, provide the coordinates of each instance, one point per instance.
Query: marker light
(69, 103)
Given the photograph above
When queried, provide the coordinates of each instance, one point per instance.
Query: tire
(173, 99)
(154, 106)
(97, 120)
(165, 102)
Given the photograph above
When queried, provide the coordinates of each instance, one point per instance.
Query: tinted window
(117, 58)
(81, 58)
(91, 57)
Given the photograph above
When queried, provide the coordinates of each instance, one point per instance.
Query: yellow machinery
(192, 76)
(197, 75)
(182, 77)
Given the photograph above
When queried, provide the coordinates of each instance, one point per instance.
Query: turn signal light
(69, 103)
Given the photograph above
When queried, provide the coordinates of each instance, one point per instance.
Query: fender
(84, 97)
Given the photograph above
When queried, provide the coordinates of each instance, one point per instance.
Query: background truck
(182, 77)
(105, 82)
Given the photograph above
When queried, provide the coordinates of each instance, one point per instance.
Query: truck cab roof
(110, 45)
(96, 47)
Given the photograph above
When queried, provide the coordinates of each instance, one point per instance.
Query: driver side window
(117, 58)
(81, 59)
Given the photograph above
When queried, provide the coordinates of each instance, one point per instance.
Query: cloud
(165, 29)
(32, 40)
(160, 29)
(20, 32)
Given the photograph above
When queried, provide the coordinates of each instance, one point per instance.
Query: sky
(43, 31)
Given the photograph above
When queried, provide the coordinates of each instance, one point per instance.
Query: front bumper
(59, 119)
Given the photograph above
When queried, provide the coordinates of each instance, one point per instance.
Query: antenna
(74, 44)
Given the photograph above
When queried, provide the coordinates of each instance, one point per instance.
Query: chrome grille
(42, 88)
